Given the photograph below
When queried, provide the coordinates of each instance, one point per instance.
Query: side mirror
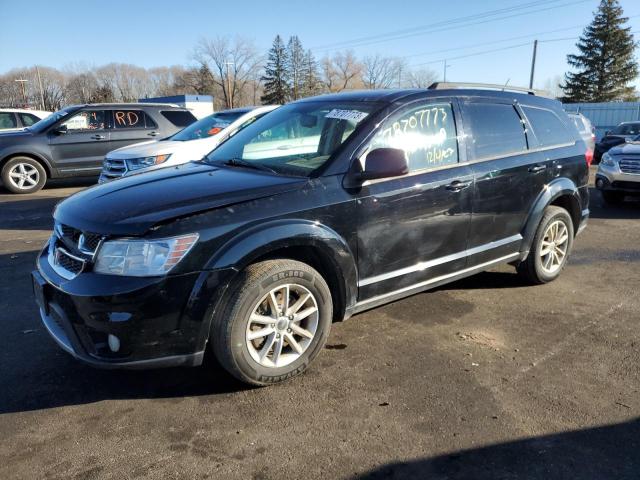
(60, 130)
(385, 163)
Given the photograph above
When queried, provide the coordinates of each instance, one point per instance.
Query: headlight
(607, 160)
(143, 258)
(144, 162)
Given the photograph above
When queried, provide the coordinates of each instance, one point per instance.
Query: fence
(605, 116)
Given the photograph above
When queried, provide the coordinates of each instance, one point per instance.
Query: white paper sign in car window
(353, 115)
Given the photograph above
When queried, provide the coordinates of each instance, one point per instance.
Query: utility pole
(22, 83)
(229, 96)
(444, 76)
(533, 62)
(44, 107)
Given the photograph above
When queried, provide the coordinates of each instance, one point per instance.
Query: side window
(7, 120)
(547, 127)
(28, 119)
(496, 130)
(179, 118)
(427, 133)
(86, 120)
(131, 119)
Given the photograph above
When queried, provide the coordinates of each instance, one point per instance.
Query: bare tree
(233, 63)
(381, 72)
(420, 78)
(342, 71)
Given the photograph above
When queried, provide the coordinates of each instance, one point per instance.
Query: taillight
(588, 156)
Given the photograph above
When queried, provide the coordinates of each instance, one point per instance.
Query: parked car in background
(618, 174)
(617, 136)
(14, 119)
(192, 143)
(586, 129)
(73, 141)
(254, 251)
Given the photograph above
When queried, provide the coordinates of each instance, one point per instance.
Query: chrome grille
(630, 165)
(67, 261)
(113, 168)
(76, 240)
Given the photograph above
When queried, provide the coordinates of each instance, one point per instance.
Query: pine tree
(311, 78)
(276, 81)
(295, 66)
(605, 63)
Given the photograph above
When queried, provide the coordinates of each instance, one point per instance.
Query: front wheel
(274, 322)
(550, 248)
(23, 175)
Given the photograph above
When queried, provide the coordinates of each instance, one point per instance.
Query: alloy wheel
(554, 246)
(24, 176)
(282, 325)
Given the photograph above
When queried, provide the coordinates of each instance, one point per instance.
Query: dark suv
(74, 141)
(323, 208)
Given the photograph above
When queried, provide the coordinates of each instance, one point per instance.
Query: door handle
(153, 134)
(537, 168)
(98, 137)
(457, 185)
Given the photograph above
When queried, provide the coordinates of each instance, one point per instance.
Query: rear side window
(7, 120)
(427, 133)
(547, 126)
(496, 129)
(28, 119)
(132, 119)
(179, 118)
(627, 129)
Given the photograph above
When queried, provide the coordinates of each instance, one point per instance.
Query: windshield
(295, 139)
(45, 123)
(208, 126)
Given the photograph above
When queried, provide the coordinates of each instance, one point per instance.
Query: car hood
(132, 205)
(632, 148)
(15, 134)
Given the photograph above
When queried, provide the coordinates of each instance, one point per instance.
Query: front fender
(258, 241)
(17, 150)
(556, 188)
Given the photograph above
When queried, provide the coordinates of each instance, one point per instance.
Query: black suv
(74, 141)
(323, 208)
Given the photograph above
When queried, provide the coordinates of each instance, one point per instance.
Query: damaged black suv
(323, 208)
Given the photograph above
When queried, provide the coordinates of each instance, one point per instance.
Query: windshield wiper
(239, 162)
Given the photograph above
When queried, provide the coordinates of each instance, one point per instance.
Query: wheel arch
(309, 242)
(561, 192)
(35, 156)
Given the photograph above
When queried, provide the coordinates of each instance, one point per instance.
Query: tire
(612, 198)
(23, 175)
(248, 311)
(538, 268)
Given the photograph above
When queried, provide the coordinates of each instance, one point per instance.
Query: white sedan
(191, 143)
(14, 119)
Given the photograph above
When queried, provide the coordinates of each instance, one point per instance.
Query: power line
(449, 24)
(510, 47)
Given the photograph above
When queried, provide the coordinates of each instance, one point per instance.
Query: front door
(80, 143)
(414, 228)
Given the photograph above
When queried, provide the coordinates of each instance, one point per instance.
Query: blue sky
(152, 33)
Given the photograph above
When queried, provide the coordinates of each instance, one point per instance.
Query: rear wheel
(613, 198)
(550, 248)
(274, 322)
(23, 175)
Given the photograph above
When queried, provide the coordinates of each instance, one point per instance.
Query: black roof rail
(485, 86)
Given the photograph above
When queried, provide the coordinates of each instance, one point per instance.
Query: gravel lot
(482, 379)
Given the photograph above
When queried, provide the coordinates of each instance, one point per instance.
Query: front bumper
(612, 179)
(157, 321)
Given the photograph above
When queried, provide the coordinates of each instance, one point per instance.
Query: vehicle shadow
(608, 452)
(28, 214)
(59, 183)
(628, 210)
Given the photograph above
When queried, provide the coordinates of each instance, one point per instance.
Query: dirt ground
(485, 378)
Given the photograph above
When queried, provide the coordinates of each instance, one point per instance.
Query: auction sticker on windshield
(353, 115)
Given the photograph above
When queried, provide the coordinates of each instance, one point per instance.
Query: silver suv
(619, 172)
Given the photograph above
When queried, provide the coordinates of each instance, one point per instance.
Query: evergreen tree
(605, 63)
(311, 78)
(295, 66)
(275, 78)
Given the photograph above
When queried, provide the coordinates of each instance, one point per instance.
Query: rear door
(414, 228)
(131, 126)
(508, 177)
(84, 145)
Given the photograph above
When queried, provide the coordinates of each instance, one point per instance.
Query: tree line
(231, 69)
